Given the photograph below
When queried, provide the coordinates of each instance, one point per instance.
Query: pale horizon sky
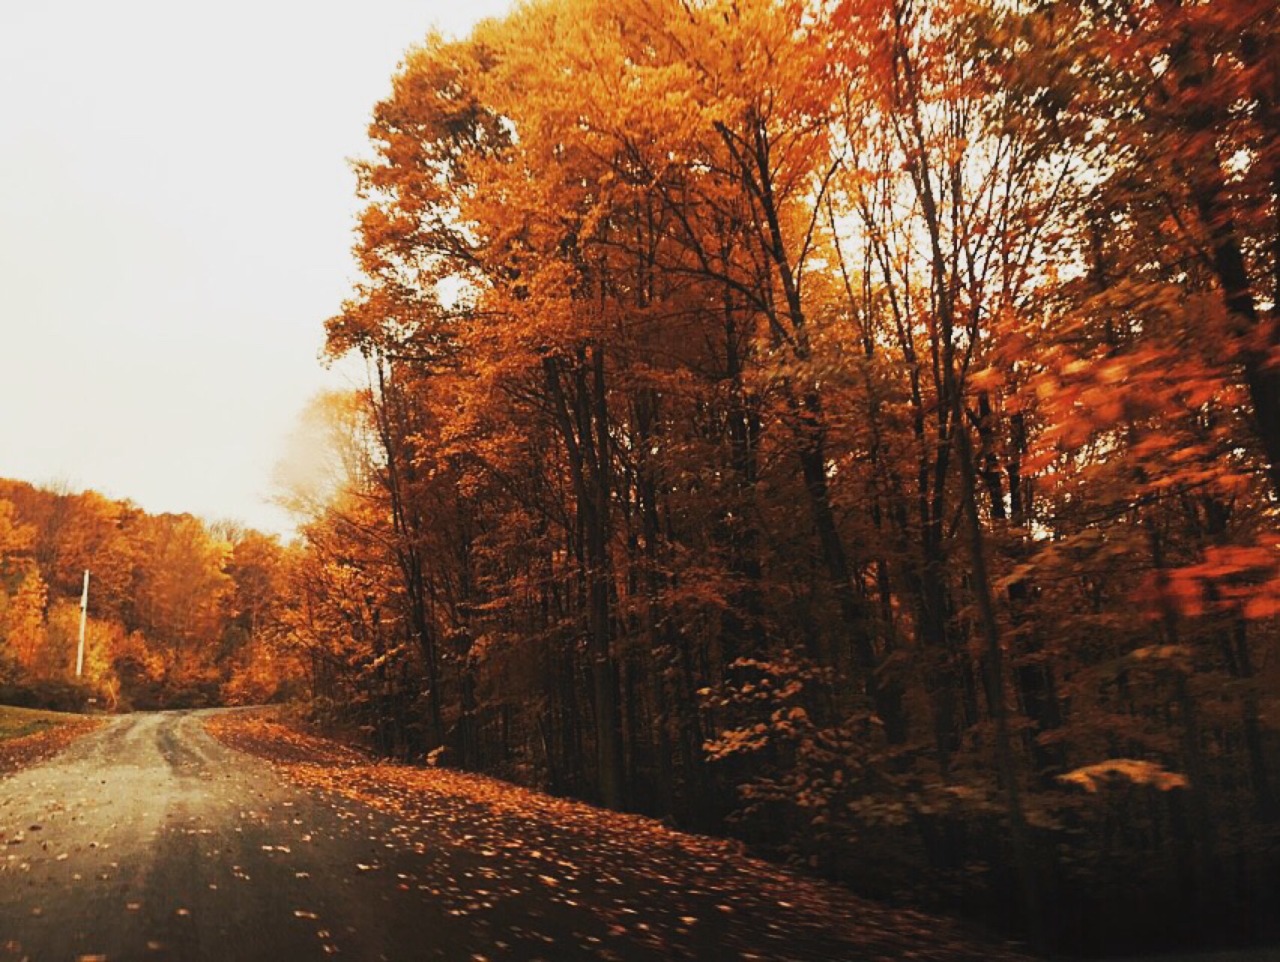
(176, 213)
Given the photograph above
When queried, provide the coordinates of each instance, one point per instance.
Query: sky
(176, 214)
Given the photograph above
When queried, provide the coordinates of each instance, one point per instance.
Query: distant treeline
(181, 613)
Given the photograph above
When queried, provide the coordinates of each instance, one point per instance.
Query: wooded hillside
(855, 426)
(181, 613)
(852, 426)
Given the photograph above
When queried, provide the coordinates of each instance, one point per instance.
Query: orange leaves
(15, 537)
(1264, 603)
(603, 883)
(1175, 656)
(697, 240)
(165, 620)
(27, 749)
(1225, 561)
(987, 379)
(1232, 578)
(1153, 412)
(1134, 772)
(1174, 591)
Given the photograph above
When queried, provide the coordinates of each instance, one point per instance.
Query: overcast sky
(175, 226)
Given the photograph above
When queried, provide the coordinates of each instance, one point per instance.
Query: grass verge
(29, 735)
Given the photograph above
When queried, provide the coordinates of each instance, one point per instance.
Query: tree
(844, 416)
(24, 622)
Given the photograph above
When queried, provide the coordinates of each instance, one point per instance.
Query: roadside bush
(52, 694)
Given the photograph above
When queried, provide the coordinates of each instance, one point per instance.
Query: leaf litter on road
(629, 879)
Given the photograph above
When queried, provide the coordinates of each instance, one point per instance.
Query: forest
(181, 614)
(851, 426)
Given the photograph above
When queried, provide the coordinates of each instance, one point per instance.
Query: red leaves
(1229, 578)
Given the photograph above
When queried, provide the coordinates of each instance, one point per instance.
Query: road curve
(149, 840)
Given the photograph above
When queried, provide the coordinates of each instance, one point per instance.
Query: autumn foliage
(563, 879)
(850, 425)
(181, 613)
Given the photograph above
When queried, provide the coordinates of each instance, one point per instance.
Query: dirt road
(149, 840)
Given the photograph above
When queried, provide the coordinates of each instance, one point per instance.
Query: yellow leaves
(15, 537)
(23, 619)
(1047, 389)
(1175, 657)
(737, 741)
(1135, 772)
(987, 379)
(1113, 371)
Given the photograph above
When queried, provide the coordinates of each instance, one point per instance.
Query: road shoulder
(28, 736)
(675, 893)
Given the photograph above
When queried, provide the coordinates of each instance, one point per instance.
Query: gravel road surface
(149, 840)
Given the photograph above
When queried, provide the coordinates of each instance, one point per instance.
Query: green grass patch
(16, 722)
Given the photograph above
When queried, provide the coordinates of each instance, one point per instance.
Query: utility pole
(84, 616)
